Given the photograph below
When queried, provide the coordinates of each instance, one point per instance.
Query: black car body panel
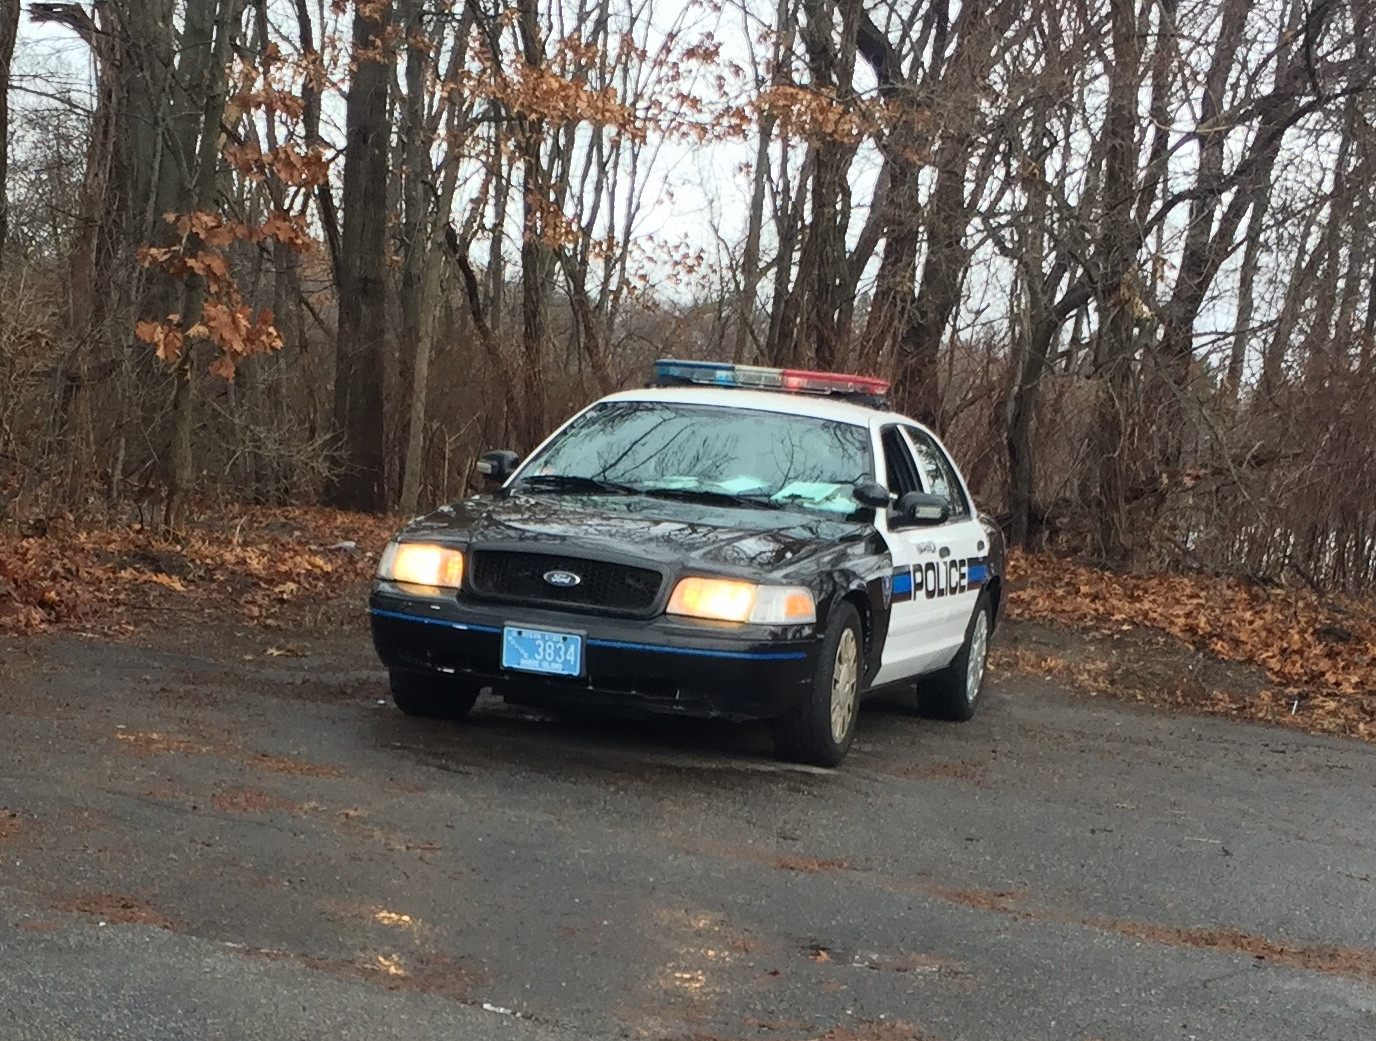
(638, 659)
(727, 541)
(649, 666)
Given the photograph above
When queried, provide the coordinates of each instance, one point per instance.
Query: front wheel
(953, 692)
(431, 697)
(820, 730)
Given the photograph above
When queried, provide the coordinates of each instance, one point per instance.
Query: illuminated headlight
(729, 600)
(438, 568)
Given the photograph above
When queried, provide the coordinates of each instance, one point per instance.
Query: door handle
(944, 552)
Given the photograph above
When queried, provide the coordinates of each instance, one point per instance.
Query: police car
(732, 541)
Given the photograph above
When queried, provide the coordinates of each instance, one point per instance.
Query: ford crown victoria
(730, 542)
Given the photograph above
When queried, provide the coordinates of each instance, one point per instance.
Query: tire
(953, 693)
(820, 730)
(432, 697)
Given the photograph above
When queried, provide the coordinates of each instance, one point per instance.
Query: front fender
(871, 595)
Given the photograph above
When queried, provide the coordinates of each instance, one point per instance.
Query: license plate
(536, 650)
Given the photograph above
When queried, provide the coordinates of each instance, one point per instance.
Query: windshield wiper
(572, 483)
(705, 495)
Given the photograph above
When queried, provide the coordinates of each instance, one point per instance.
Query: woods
(1113, 251)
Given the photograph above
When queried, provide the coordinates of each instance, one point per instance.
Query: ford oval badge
(563, 579)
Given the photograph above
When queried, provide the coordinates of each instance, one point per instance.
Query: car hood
(672, 534)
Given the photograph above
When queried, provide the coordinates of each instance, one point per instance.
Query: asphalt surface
(203, 840)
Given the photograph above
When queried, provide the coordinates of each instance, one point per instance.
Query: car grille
(603, 586)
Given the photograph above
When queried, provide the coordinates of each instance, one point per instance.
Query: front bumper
(638, 666)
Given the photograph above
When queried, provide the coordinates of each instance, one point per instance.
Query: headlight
(730, 600)
(421, 564)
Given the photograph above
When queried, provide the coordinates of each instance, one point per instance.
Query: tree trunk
(188, 184)
(1242, 326)
(1299, 285)
(1032, 352)
(496, 258)
(822, 265)
(537, 263)
(900, 214)
(789, 209)
(9, 27)
(1116, 291)
(1022, 407)
(914, 326)
(917, 387)
(310, 125)
(416, 302)
(750, 257)
(1202, 242)
(361, 345)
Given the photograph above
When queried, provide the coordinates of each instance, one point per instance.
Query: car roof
(816, 406)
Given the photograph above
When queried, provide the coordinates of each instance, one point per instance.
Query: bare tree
(9, 27)
(361, 277)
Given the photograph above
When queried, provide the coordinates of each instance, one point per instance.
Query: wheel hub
(845, 679)
(979, 656)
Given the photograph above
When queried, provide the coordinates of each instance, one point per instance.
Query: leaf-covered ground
(1316, 656)
(275, 567)
(284, 569)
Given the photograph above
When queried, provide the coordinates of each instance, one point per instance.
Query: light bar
(833, 383)
(708, 372)
(797, 381)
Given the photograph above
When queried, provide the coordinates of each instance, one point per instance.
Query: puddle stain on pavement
(916, 963)
(394, 918)
(145, 743)
(251, 800)
(114, 909)
(858, 1030)
(686, 971)
(1357, 962)
(962, 771)
(780, 860)
(37, 925)
(13, 825)
(434, 974)
(1354, 962)
(278, 764)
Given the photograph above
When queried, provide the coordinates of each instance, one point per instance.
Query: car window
(937, 471)
(898, 463)
(670, 447)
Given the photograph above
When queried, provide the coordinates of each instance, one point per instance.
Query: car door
(953, 580)
(919, 637)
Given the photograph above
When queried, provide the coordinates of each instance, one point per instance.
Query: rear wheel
(953, 692)
(432, 697)
(820, 730)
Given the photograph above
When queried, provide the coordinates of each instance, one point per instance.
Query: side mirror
(871, 493)
(921, 508)
(496, 467)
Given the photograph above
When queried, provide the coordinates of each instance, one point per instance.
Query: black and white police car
(732, 541)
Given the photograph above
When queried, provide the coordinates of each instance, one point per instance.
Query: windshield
(712, 454)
